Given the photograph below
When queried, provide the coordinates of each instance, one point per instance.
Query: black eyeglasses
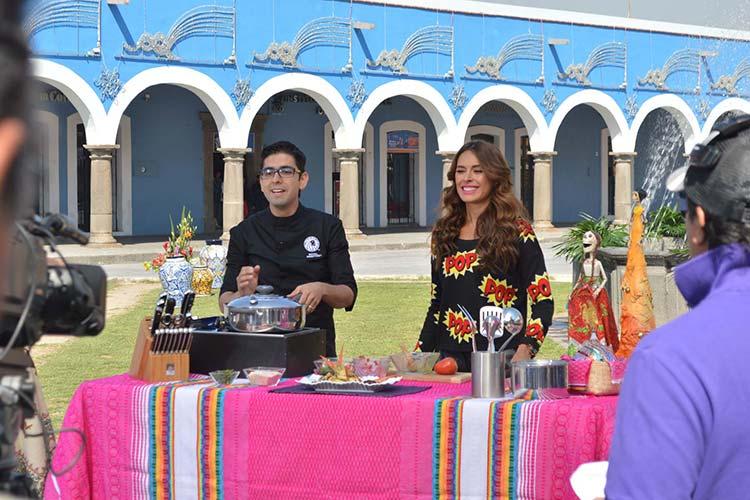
(707, 154)
(284, 172)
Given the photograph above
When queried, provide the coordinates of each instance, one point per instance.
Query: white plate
(321, 385)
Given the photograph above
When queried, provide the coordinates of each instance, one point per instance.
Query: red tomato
(447, 366)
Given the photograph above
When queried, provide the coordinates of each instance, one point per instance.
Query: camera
(39, 298)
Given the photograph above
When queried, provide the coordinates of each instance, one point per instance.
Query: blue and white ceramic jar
(176, 275)
(214, 256)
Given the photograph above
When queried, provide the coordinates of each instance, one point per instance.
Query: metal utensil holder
(488, 374)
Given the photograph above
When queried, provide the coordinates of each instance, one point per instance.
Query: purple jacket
(683, 417)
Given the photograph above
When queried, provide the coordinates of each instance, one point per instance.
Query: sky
(730, 14)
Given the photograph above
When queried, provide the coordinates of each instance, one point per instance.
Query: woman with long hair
(484, 252)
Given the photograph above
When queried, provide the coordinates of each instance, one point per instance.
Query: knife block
(156, 367)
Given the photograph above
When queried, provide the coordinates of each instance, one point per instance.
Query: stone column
(101, 194)
(623, 185)
(233, 161)
(542, 188)
(447, 158)
(349, 190)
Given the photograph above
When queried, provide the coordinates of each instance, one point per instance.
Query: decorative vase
(214, 256)
(176, 275)
(203, 278)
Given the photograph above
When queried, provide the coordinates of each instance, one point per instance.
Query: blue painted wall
(576, 171)
(167, 140)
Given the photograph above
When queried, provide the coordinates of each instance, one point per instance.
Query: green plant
(613, 235)
(667, 221)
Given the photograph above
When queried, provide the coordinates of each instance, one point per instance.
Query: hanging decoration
(524, 47)
(549, 100)
(458, 96)
(76, 14)
(704, 108)
(321, 32)
(631, 105)
(203, 21)
(728, 83)
(242, 92)
(610, 54)
(685, 60)
(357, 92)
(428, 40)
(109, 84)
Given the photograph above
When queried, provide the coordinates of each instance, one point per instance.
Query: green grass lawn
(388, 314)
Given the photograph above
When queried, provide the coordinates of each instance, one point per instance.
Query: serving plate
(366, 385)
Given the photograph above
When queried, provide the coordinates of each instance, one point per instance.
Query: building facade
(146, 106)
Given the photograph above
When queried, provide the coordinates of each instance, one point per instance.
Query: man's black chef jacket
(308, 246)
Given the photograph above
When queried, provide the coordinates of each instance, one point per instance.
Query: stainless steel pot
(265, 312)
(546, 379)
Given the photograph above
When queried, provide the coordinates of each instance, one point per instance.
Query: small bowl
(371, 367)
(411, 362)
(266, 376)
(224, 377)
(319, 364)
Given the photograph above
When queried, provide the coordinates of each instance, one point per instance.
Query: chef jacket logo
(458, 326)
(312, 244)
(535, 329)
(499, 293)
(540, 289)
(456, 265)
(527, 232)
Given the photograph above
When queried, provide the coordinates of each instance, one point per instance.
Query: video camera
(39, 298)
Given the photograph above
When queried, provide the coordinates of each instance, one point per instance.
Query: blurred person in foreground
(33, 447)
(683, 417)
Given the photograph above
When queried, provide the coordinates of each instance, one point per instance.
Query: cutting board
(457, 378)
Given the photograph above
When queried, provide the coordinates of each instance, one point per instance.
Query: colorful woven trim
(210, 462)
(446, 457)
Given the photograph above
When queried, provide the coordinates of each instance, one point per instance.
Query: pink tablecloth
(256, 444)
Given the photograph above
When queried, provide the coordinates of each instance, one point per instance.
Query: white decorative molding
(677, 107)
(427, 96)
(604, 104)
(529, 47)
(421, 180)
(217, 101)
(429, 39)
(610, 54)
(50, 157)
(681, 61)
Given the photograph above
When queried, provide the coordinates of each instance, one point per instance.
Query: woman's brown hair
(497, 227)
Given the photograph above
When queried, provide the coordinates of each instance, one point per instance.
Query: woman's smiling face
(472, 184)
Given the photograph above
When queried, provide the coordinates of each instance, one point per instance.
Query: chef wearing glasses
(301, 252)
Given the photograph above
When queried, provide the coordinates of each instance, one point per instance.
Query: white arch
(731, 104)
(677, 107)
(420, 130)
(519, 101)
(429, 98)
(316, 87)
(78, 92)
(604, 105)
(204, 87)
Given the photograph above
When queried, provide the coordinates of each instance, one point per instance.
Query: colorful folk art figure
(637, 310)
(590, 315)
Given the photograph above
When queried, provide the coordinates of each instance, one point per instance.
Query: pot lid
(262, 299)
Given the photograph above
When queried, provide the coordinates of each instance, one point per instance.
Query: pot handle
(264, 289)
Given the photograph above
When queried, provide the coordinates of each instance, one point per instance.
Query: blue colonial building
(145, 106)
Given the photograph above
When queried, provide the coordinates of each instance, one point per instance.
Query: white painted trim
(604, 170)
(412, 126)
(124, 163)
(517, 134)
(51, 122)
(677, 107)
(78, 92)
(731, 104)
(72, 165)
(327, 168)
(563, 16)
(427, 96)
(605, 105)
(369, 188)
(322, 91)
(497, 132)
(533, 119)
(203, 86)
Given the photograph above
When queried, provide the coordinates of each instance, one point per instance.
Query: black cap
(717, 176)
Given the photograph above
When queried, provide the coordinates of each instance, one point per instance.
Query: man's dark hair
(288, 148)
(720, 231)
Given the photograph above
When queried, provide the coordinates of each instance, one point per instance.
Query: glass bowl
(371, 367)
(267, 376)
(224, 377)
(411, 362)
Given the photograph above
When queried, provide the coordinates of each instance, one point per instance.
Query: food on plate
(447, 366)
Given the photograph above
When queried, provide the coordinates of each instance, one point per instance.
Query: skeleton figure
(592, 268)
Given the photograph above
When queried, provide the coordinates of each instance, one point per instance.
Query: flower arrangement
(178, 244)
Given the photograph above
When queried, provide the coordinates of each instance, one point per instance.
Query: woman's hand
(522, 353)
